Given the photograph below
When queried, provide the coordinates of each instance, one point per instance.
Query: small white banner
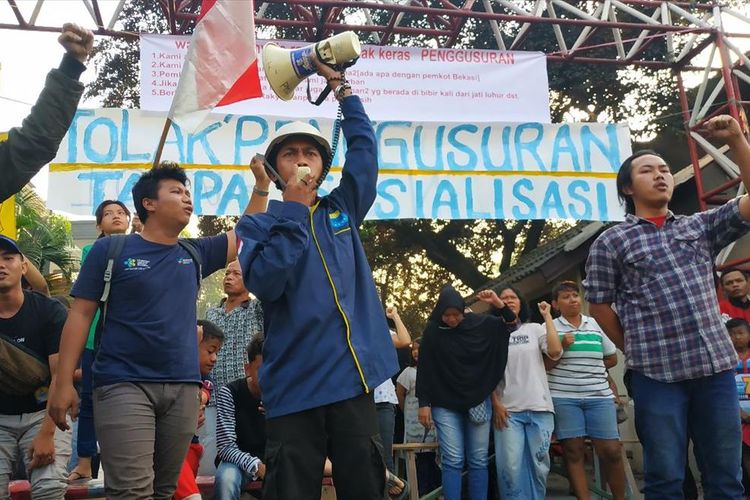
(395, 83)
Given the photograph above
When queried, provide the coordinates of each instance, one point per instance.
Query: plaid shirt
(661, 284)
(240, 326)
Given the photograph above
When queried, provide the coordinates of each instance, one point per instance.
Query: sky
(28, 56)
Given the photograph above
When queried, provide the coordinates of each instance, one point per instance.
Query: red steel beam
(431, 11)
(692, 148)
(721, 188)
(459, 23)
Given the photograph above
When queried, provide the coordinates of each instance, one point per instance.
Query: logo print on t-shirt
(132, 264)
(519, 339)
(185, 261)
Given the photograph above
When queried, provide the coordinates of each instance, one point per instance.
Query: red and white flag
(221, 66)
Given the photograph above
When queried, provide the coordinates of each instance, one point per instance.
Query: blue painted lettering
(400, 144)
(610, 151)
(470, 212)
(201, 191)
(578, 191)
(530, 212)
(601, 201)
(384, 196)
(438, 149)
(564, 145)
(126, 193)
(125, 138)
(236, 191)
(530, 145)
(98, 180)
(259, 128)
(445, 188)
(419, 198)
(487, 147)
(498, 198)
(202, 138)
(111, 139)
(471, 156)
(73, 134)
(552, 202)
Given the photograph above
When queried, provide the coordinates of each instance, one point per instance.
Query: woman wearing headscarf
(462, 359)
(522, 404)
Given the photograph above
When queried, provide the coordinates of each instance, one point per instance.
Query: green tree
(45, 238)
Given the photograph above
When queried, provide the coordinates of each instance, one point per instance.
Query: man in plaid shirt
(650, 284)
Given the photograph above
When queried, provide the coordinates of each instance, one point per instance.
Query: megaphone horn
(285, 69)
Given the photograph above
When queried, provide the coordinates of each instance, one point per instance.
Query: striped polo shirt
(580, 372)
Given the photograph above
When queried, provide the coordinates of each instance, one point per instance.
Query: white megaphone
(285, 69)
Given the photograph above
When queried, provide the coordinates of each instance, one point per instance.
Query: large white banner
(395, 83)
(457, 170)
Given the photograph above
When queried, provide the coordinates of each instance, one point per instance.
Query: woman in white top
(523, 413)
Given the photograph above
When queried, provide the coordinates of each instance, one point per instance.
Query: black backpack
(117, 242)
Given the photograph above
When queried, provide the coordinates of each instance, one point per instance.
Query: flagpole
(160, 147)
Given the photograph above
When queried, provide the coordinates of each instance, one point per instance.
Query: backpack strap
(116, 244)
(192, 250)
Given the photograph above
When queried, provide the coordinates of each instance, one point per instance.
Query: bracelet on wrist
(341, 89)
(260, 192)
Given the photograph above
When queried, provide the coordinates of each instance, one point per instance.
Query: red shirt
(735, 309)
(659, 221)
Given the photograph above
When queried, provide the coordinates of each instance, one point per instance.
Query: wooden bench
(409, 450)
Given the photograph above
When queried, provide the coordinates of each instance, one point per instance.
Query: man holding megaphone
(327, 342)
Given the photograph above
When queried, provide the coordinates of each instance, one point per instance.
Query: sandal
(76, 477)
(392, 481)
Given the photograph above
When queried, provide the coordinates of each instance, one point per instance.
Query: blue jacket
(327, 339)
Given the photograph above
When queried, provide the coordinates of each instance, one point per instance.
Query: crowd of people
(294, 375)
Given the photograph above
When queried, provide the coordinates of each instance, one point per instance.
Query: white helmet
(303, 129)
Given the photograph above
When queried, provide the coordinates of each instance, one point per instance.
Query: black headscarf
(459, 367)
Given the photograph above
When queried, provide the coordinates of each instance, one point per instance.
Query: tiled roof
(529, 263)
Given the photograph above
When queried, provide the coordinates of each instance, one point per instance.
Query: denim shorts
(592, 417)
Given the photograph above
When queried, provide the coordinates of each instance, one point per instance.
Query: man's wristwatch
(339, 92)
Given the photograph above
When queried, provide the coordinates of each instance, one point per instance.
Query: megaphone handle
(270, 168)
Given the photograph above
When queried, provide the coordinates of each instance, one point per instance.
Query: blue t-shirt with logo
(150, 330)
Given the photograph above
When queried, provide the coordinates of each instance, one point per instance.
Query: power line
(15, 100)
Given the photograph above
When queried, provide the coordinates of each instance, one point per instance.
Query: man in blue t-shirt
(146, 374)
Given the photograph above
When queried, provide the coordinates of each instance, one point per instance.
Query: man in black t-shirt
(34, 323)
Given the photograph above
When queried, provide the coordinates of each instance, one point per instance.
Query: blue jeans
(386, 424)
(705, 408)
(459, 438)
(229, 481)
(522, 455)
(579, 417)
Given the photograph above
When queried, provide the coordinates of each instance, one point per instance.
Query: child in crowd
(210, 338)
(583, 400)
(428, 472)
(739, 331)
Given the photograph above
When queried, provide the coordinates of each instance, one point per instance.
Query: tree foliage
(45, 238)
